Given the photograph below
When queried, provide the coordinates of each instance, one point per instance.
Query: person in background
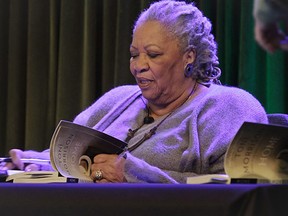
(269, 15)
(178, 120)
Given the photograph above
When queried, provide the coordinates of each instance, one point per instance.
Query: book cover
(257, 154)
(258, 151)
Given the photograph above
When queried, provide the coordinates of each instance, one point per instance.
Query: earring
(188, 70)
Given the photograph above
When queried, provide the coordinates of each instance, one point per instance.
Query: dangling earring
(188, 70)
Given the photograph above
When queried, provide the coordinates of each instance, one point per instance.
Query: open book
(72, 149)
(257, 154)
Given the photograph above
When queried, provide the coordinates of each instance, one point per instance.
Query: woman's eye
(153, 55)
(133, 55)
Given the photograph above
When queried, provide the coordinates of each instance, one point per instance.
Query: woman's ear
(190, 56)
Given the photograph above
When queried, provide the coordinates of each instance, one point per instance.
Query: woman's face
(157, 63)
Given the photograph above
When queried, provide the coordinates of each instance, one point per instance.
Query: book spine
(244, 181)
(257, 181)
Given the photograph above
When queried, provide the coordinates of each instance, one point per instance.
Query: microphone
(148, 120)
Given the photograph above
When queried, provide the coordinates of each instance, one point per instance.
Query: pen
(28, 160)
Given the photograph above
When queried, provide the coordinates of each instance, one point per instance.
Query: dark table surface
(143, 199)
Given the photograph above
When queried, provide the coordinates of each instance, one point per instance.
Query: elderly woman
(178, 120)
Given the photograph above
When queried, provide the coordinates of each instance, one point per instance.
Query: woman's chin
(147, 94)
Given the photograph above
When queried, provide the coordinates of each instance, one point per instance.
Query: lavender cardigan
(191, 141)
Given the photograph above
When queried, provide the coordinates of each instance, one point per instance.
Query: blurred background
(58, 56)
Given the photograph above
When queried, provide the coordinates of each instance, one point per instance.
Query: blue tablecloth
(143, 199)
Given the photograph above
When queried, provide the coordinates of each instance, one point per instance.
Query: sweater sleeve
(138, 171)
(105, 104)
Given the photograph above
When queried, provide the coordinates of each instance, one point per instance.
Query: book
(39, 177)
(209, 179)
(72, 149)
(4, 174)
(257, 154)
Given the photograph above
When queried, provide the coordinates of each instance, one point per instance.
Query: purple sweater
(191, 141)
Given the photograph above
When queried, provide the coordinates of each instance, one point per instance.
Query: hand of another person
(16, 156)
(110, 167)
(270, 37)
(284, 44)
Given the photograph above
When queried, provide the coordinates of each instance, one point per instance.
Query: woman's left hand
(108, 168)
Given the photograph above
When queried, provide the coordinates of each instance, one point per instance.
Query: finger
(100, 158)
(100, 176)
(97, 175)
(16, 155)
(7, 166)
(104, 158)
(109, 172)
(32, 167)
(102, 181)
(284, 47)
(284, 44)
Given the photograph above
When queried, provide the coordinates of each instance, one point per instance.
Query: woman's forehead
(152, 32)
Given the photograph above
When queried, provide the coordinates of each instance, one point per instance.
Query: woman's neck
(158, 110)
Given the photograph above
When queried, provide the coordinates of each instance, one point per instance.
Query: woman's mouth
(143, 82)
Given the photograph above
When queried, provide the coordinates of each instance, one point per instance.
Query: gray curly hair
(193, 30)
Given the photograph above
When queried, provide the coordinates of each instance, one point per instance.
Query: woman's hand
(110, 168)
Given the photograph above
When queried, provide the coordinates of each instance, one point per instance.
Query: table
(143, 199)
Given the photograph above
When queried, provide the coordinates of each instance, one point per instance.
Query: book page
(32, 174)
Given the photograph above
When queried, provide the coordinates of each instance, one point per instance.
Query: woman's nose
(141, 64)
